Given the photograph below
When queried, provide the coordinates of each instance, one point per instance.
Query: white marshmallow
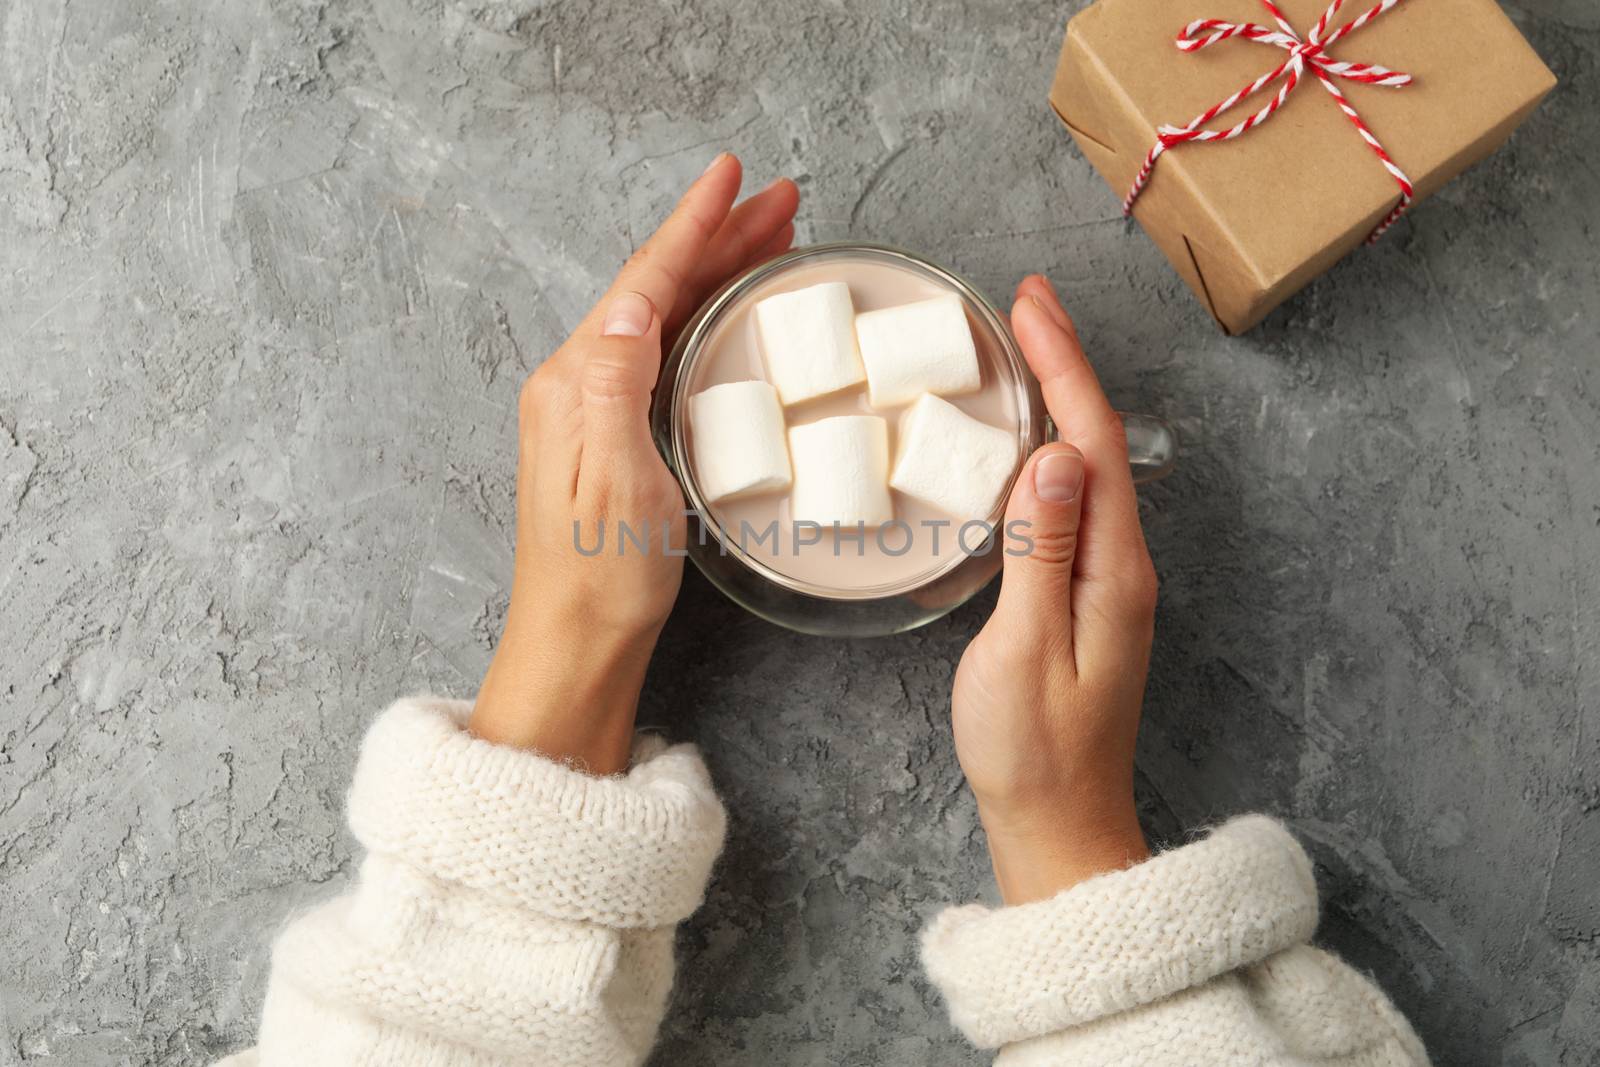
(739, 449)
(841, 471)
(952, 460)
(808, 342)
(918, 348)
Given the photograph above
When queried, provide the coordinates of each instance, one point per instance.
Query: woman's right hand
(1047, 696)
(582, 623)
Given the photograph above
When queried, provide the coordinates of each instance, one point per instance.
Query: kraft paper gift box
(1249, 221)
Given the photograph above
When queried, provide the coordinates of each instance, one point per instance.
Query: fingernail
(1058, 477)
(713, 164)
(1050, 285)
(628, 316)
(1053, 311)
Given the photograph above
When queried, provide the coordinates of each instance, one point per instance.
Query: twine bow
(1311, 53)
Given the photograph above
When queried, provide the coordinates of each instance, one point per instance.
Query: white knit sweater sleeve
(509, 910)
(1197, 957)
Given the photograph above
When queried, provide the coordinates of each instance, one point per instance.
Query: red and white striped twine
(1312, 52)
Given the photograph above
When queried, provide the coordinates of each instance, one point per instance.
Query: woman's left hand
(566, 674)
(1047, 696)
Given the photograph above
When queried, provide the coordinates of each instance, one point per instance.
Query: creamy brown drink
(949, 432)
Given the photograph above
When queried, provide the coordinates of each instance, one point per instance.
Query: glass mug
(905, 601)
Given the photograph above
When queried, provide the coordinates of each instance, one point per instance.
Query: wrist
(564, 690)
(1047, 847)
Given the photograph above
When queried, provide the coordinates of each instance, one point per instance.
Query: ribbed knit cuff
(1123, 939)
(630, 852)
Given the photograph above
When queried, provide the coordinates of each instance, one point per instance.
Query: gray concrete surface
(271, 272)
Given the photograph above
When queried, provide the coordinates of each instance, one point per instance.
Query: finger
(618, 372)
(1072, 393)
(1041, 544)
(1112, 561)
(1071, 390)
(748, 229)
(1044, 290)
(777, 246)
(662, 269)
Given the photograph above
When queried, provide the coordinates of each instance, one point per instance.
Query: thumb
(1042, 541)
(619, 371)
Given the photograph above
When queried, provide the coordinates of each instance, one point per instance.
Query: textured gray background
(271, 273)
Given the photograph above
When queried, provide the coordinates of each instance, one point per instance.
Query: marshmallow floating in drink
(841, 472)
(951, 460)
(739, 447)
(808, 342)
(911, 349)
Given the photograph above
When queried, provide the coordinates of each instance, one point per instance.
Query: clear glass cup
(908, 603)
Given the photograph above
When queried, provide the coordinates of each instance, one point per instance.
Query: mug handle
(1152, 445)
